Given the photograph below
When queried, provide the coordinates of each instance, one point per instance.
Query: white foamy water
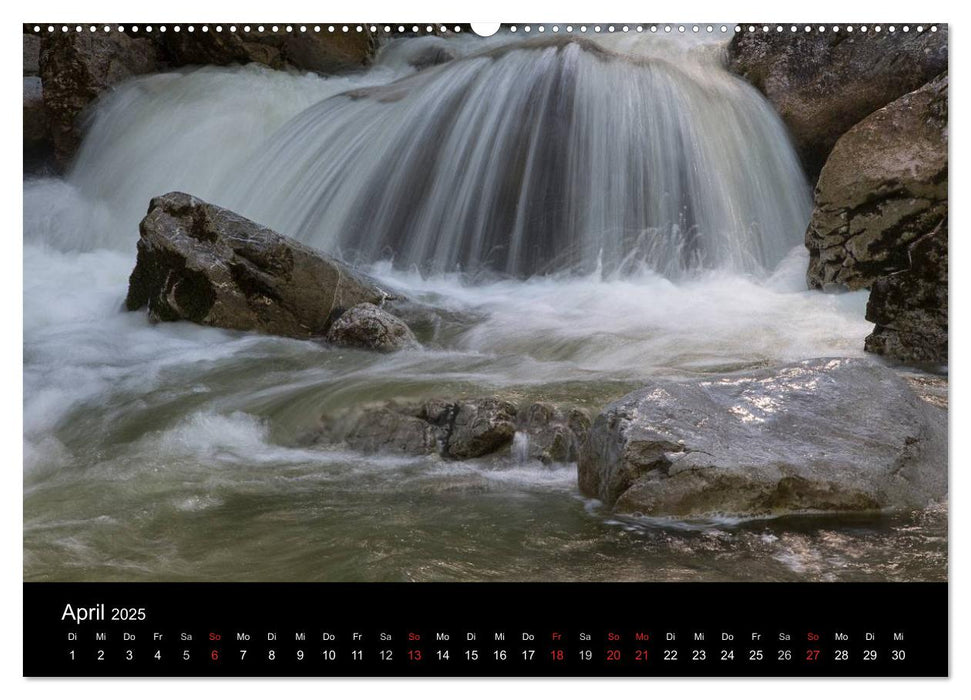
(175, 451)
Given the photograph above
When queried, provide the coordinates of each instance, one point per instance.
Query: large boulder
(321, 52)
(202, 263)
(883, 187)
(31, 54)
(822, 83)
(76, 68)
(909, 307)
(370, 327)
(465, 429)
(818, 435)
(36, 133)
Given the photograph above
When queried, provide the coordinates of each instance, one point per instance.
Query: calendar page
(425, 349)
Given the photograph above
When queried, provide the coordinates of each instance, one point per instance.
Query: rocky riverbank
(785, 440)
(867, 113)
(818, 436)
(66, 72)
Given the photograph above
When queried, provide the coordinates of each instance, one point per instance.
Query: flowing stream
(585, 215)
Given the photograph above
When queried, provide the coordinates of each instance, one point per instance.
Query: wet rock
(433, 51)
(466, 429)
(818, 435)
(390, 430)
(552, 434)
(480, 427)
(909, 307)
(321, 52)
(883, 187)
(202, 263)
(369, 327)
(822, 83)
(77, 67)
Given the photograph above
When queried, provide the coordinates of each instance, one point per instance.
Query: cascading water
(174, 451)
(526, 158)
(538, 157)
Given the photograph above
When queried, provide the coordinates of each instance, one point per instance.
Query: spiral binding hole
(526, 29)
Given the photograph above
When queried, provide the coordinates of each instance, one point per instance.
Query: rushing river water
(177, 452)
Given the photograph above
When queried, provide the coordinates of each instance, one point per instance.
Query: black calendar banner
(479, 629)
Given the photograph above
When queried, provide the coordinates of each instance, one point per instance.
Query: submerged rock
(390, 430)
(467, 428)
(202, 263)
(883, 187)
(822, 83)
(818, 435)
(369, 327)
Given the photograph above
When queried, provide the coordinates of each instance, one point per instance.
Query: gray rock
(551, 433)
(202, 263)
(36, 132)
(465, 429)
(390, 430)
(31, 54)
(818, 435)
(883, 187)
(369, 327)
(77, 67)
(479, 427)
(822, 83)
(435, 52)
(909, 307)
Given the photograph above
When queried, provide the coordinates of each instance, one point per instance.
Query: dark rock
(883, 187)
(551, 433)
(77, 67)
(368, 327)
(31, 54)
(206, 264)
(431, 51)
(818, 435)
(909, 307)
(479, 427)
(321, 52)
(822, 83)
(466, 429)
(35, 116)
(390, 430)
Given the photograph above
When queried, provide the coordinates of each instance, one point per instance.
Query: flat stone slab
(819, 435)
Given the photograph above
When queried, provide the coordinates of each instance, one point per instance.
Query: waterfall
(525, 158)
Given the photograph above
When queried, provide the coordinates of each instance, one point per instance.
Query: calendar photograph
(374, 303)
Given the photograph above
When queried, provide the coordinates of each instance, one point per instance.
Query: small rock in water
(469, 428)
(480, 427)
(369, 327)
